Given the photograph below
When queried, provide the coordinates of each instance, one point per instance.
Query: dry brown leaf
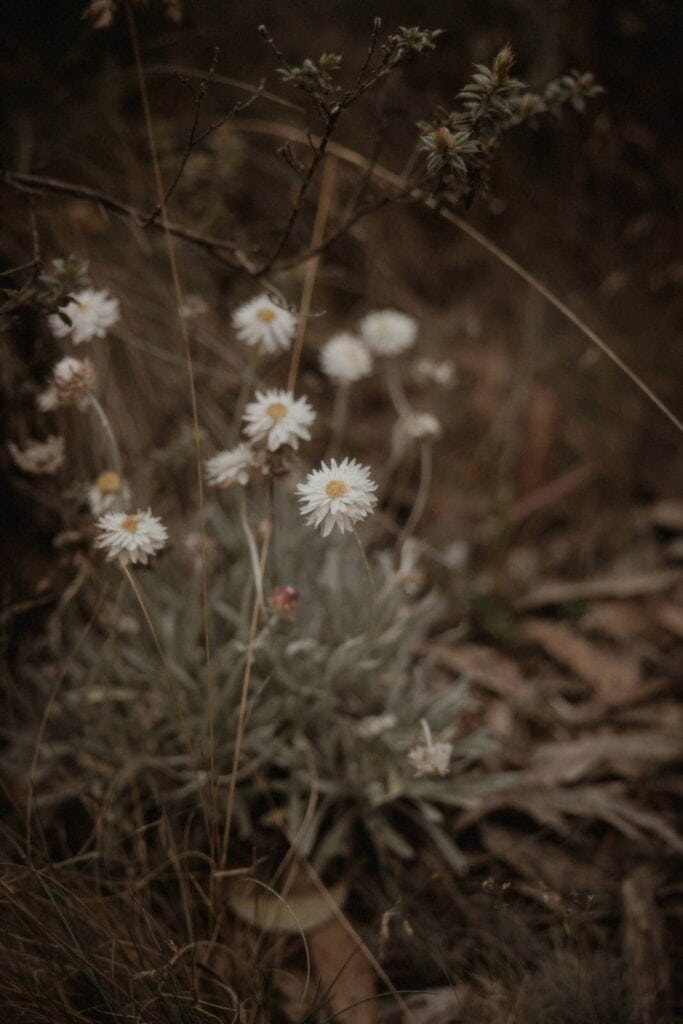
(551, 807)
(485, 666)
(620, 587)
(345, 977)
(613, 674)
(629, 754)
(619, 620)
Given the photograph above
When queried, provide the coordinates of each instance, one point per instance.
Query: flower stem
(340, 413)
(111, 438)
(366, 566)
(253, 550)
(397, 394)
(420, 504)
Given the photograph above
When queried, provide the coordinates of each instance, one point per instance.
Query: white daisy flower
(430, 758)
(108, 493)
(388, 332)
(91, 312)
(39, 456)
(277, 418)
(73, 380)
(264, 325)
(231, 466)
(429, 371)
(419, 426)
(131, 538)
(340, 494)
(345, 359)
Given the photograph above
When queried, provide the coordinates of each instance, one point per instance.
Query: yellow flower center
(265, 315)
(276, 411)
(335, 489)
(108, 483)
(130, 523)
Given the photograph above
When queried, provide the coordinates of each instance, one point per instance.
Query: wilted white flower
(428, 371)
(264, 325)
(340, 494)
(131, 538)
(374, 725)
(430, 758)
(277, 418)
(231, 466)
(90, 312)
(48, 400)
(419, 426)
(388, 332)
(39, 456)
(73, 380)
(108, 493)
(345, 359)
(194, 305)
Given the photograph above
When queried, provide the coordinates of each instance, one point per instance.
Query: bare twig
(195, 138)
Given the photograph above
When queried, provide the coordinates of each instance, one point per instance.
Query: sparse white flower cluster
(430, 758)
(39, 456)
(340, 495)
(91, 313)
(345, 359)
(130, 537)
(264, 325)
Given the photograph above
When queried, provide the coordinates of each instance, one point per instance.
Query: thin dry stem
(420, 503)
(161, 197)
(324, 204)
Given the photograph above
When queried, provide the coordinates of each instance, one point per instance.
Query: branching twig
(194, 138)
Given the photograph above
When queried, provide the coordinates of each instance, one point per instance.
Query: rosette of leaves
(307, 774)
